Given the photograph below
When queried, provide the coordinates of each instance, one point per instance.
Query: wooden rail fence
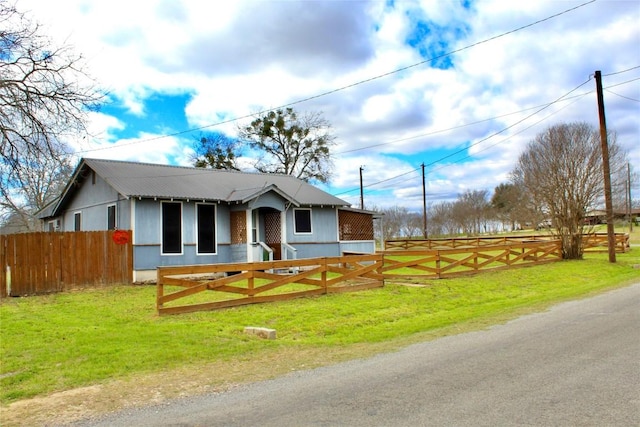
(591, 242)
(440, 263)
(38, 263)
(250, 283)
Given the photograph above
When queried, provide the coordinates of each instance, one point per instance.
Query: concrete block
(265, 333)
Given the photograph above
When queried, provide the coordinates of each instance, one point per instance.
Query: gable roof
(146, 180)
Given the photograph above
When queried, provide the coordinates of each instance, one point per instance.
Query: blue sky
(473, 77)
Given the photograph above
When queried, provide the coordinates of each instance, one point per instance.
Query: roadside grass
(68, 340)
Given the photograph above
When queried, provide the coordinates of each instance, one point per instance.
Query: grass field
(68, 340)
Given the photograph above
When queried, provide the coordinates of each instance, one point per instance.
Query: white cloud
(239, 57)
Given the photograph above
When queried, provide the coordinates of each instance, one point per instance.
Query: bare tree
(291, 144)
(398, 221)
(504, 201)
(29, 188)
(441, 222)
(562, 171)
(471, 210)
(413, 225)
(44, 97)
(513, 205)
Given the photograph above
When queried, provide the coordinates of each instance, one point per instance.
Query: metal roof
(146, 180)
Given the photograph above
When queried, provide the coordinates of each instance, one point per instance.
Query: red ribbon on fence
(120, 237)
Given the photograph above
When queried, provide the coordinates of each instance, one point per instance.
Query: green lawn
(62, 341)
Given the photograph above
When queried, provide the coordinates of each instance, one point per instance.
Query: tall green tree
(291, 143)
(216, 151)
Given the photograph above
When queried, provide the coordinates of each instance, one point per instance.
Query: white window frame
(295, 228)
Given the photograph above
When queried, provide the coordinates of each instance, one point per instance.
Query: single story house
(185, 215)
(599, 216)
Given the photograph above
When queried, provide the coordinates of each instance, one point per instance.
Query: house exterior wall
(315, 250)
(91, 201)
(148, 231)
(268, 200)
(358, 246)
(324, 226)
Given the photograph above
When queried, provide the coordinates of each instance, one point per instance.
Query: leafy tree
(562, 171)
(44, 97)
(217, 151)
(291, 143)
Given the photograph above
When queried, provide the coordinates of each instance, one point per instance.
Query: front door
(272, 232)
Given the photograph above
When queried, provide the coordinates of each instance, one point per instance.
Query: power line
(478, 142)
(620, 72)
(380, 76)
(539, 109)
(622, 96)
(485, 120)
(506, 139)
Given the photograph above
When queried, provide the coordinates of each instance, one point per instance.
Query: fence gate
(37, 263)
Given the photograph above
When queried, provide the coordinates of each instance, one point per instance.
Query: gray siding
(148, 257)
(358, 246)
(147, 223)
(92, 200)
(314, 250)
(238, 252)
(268, 200)
(324, 227)
(148, 235)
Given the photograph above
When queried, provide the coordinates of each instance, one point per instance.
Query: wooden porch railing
(250, 283)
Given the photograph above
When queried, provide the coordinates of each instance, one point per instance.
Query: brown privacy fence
(184, 289)
(591, 242)
(37, 263)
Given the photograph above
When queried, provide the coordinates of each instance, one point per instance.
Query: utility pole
(629, 198)
(425, 234)
(606, 169)
(361, 192)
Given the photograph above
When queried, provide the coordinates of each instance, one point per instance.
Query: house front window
(206, 221)
(77, 221)
(171, 227)
(302, 221)
(111, 217)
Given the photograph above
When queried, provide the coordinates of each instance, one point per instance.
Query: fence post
(251, 283)
(8, 279)
(438, 271)
(323, 275)
(159, 290)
